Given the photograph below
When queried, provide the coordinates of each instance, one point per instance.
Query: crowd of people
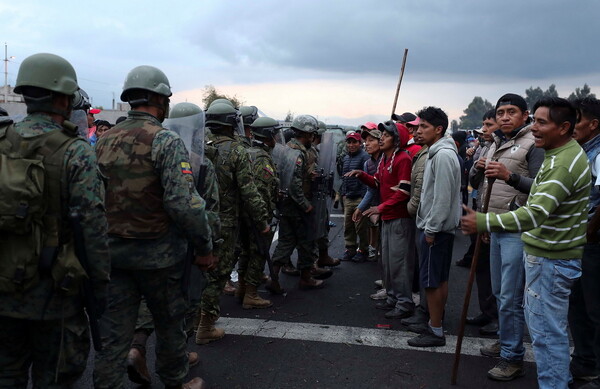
(140, 224)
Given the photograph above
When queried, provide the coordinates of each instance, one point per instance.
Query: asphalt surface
(335, 338)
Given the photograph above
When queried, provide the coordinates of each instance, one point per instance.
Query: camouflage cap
(374, 133)
(305, 123)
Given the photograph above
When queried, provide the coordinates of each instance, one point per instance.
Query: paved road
(332, 338)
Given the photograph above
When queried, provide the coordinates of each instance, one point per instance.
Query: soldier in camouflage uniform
(324, 259)
(295, 212)
(153, 211)
(43, 328)
(252, 262)
(137, 369)
(236, 191)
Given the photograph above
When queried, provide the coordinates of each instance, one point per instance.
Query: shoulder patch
(298, 161)
(269, 169)
(186, 168)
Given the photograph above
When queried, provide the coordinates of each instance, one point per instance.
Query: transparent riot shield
(191, 131)
(79, 118)
(338, 137)
(322, 188)
(285, 159)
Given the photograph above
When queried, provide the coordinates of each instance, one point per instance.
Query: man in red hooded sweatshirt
(397, 229)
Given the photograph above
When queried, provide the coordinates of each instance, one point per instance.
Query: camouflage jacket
(82, 191)
(265, 176)
(236, 183)
(299, 191)
(180, 200)
(210, 193)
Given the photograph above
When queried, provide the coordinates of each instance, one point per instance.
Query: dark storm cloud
(502, 39)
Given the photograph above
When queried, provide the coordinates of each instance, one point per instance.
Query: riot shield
(285, 159)
(79, 118)
(322, 188)
(338, 137)
(191, 131)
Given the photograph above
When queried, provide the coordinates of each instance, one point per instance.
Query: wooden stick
(399, 81)
(463, 316)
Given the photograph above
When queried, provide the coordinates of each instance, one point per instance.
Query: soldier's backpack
(30, 214)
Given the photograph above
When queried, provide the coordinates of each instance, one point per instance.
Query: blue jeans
(508, 283)
(548, 286)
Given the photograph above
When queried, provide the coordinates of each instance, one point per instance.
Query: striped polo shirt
(554, 219)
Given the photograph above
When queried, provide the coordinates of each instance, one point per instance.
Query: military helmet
(222, 114)
(146, 78)
(47, 71)
(322, 128)
(221, 101)
(264, 127)
(249, 114)
(182, 110)
(305, 123)
(81, 100)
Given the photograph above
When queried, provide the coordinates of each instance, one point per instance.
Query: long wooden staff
(463, 316)
(399, 81)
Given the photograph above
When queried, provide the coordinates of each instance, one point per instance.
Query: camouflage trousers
(251, 263)
(166, 302)
(216, 279)
(293, 234)
(197, 284)
(55, 350)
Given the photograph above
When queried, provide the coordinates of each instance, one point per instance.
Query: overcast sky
(338, 60)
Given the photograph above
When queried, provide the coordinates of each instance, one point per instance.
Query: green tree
(454, 125)
(99, 107)
(532, 95)
(211, 94)
(581, 93)
(474, 112)
(289, 117)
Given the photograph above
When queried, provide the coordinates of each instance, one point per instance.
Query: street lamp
(6, 60)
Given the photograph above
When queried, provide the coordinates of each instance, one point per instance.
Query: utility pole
(6, 60)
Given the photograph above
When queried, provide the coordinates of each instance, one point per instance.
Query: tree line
(479, 106)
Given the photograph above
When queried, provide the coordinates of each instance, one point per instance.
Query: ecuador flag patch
(186, 168)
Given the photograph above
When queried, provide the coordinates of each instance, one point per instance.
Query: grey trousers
(398, 260)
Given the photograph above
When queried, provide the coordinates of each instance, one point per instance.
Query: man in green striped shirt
(553, 222)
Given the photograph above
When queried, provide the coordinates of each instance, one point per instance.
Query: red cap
(353, 135)
(94, 111)
(369, 126)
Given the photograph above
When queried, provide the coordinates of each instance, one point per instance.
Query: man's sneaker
(348, 255)
(418, 328)
(372, 253)
(491, 350)
(381, 294)
(506, 370)
(379, 283)
(427, 339)
(398, 313)
(582, 374)
(419, 317)
(385, 306)
(359, 257)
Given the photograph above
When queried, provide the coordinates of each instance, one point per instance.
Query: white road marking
(349, 335)
(336, 215)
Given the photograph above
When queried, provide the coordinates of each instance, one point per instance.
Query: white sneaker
(381, 294)
(372, 253)
(379, 283)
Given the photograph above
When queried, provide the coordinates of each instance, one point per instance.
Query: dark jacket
(351, 186)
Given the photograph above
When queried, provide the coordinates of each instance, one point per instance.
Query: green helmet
(47, 71)
(182, 110)
(249, 114)
(305, 123)
(264, 127)
(222, 114)
(146, 78)
(322, 128)
(222, 101)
